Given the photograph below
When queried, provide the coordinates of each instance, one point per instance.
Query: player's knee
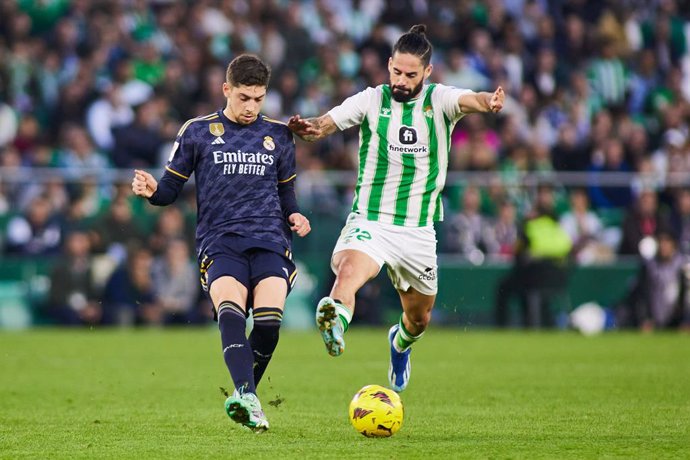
(346, 270)
(420, 320)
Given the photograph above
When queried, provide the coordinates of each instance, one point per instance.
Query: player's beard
(404, 95)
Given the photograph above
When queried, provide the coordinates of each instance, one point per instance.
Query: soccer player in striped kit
(244, 165)
(405, 129)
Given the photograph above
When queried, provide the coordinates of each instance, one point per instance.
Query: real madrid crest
(217, 129)
(268, 143)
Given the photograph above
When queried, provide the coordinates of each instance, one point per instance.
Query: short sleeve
(353, 109)
(181, 159)
(447, 97)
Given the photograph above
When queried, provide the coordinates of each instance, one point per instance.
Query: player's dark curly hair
(247, 70)
(415, 42)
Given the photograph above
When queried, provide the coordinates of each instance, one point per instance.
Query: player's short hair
(247, 70)
(414, 42)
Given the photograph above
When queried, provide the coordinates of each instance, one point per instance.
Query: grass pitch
(155, 394)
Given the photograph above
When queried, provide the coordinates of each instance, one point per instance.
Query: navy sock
(236, 349)
(264, 338)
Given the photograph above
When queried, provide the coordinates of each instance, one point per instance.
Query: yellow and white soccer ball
(376, 412)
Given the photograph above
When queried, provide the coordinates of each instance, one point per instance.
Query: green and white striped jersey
(403, 152)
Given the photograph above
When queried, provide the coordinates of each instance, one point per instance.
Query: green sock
(403, 338)
(344, 314)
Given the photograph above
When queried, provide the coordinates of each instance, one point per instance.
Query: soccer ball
(376, 412)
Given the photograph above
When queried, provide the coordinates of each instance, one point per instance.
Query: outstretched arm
(312, 129)
(482, 102)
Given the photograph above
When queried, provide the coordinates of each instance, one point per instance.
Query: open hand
(301, 126)
(497, 99)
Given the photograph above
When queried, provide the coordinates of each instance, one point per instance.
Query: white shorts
(408, 252)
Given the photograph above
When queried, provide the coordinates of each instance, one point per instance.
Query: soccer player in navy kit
(244, 164)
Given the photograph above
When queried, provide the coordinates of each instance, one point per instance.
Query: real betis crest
(217, 129)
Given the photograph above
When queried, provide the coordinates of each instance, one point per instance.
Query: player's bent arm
(299, 224)
(312, 129)
(482, 102)
(288, 200)
(169, 187)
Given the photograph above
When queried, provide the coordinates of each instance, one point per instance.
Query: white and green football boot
(246, 410)
(330, 326)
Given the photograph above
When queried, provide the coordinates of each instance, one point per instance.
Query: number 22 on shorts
(358, 233)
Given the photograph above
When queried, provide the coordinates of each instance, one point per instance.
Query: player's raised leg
(352, 269)
(413, 322)
(229, 298)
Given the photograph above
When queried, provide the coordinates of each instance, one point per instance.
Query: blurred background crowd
(588, 164)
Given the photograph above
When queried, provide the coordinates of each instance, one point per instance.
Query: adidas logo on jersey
(218, 141)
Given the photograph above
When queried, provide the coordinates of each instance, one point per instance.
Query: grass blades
(157, 394)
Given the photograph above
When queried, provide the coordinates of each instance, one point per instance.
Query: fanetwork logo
(429, 274)
(407, 135)
(360, 413)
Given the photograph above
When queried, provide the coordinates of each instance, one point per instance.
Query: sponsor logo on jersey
(218, 141)
(407, 135)
(416, 149)
(385, 112)
(217, 129)
(269, 144)
(239, 162)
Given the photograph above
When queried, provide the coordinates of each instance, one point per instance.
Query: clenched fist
(143, 184)
(299, 224)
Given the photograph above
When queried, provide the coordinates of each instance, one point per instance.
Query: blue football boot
(400, 366)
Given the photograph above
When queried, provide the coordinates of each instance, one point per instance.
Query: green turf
(155, 394)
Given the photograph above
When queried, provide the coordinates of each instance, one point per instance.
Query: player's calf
(264, 337)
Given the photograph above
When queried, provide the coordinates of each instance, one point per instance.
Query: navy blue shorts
(246, 260)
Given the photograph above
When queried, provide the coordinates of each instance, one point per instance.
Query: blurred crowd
(594, 87)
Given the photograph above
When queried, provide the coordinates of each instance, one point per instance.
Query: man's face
(667, 247)
(244, 102)
(407, 75)
(545, 199)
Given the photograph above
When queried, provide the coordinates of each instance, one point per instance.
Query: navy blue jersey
(238, 169)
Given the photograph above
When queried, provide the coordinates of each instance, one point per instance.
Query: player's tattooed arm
(482, 102)
(312, 129)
